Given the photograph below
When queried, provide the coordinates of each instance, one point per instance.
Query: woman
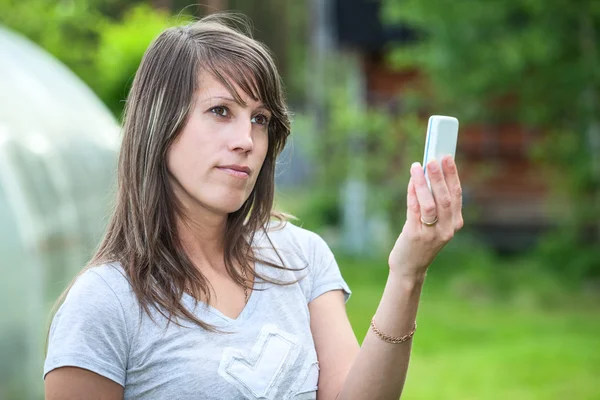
(193, 293)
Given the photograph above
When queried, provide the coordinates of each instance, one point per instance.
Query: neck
(203, 240)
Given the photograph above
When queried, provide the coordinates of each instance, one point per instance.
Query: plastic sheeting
(58, 147)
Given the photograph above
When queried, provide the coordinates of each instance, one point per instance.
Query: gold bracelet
(392, 339)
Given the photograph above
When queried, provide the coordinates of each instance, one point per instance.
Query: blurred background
(511, 308)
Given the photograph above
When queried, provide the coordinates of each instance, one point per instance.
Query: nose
(241, 138)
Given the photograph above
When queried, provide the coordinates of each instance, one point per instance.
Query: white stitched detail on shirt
(310, 383)
(257, 372)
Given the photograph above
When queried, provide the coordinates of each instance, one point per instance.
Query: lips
(239, 171)
(240, 168)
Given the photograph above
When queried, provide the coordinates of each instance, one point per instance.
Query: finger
(455, 189)
(413, 210)
(440, 191)
(427, 206)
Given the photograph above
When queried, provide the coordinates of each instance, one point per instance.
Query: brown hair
(142, 234)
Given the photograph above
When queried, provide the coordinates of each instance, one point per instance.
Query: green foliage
(121, 47)
(478, 52)
(102, 41)
(315, 210)
(521, 61)
(572, 252)
(66, 29)
(366, 143)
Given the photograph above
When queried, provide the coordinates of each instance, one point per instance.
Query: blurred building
(57, 157)
(502, 185)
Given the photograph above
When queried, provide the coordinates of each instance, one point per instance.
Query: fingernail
(415, 164)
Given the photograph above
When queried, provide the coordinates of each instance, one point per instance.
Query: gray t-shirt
(268, 354)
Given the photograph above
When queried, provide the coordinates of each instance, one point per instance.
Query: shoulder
(296, 247)
(106, 280)
(112, 274)
(99, 292)
(91, 329)
(286, 235)
(299, 248)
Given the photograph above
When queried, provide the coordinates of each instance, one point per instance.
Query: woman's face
(216, 159)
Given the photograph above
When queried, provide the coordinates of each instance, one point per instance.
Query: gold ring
(430, 223)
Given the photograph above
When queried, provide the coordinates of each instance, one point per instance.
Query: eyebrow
(231, 99)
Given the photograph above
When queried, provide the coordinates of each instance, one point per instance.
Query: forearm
(379, 370)
(433, 216)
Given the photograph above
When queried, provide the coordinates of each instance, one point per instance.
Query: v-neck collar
(213, 316)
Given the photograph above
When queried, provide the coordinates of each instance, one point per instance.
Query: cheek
(185, 159)
(193, 149)
(262, 146)
(176, 164)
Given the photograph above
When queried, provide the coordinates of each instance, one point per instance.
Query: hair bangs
(248, 76)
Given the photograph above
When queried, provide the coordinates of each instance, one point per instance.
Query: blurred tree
(281, 25)
(121, 46)
(162, 4)
(74, 31)
(66, 29)
(86, 34)
(534, 62)
(216, 5)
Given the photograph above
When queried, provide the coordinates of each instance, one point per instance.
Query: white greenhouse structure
(58, 147)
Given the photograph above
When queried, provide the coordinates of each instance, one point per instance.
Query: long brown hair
(142, 234)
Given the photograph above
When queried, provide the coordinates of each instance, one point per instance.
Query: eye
(260, 119)
(221, 111)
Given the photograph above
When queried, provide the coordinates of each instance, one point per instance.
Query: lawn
(471, 347)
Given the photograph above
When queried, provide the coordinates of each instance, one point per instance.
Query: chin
(228, 204)
(232, 209)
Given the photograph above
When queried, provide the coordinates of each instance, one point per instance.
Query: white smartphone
(442, 136)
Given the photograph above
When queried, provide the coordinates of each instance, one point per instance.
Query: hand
(418, 244)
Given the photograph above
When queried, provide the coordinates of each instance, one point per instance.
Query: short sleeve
(89, 330)
(326, 275)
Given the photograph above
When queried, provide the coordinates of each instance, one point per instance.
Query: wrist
(408, 277)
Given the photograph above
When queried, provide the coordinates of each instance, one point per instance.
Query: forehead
(210, 86)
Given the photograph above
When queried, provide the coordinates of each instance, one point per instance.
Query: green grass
(484, 347)
(488, 328)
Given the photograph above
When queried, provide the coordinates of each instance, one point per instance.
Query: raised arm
(378, 369)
